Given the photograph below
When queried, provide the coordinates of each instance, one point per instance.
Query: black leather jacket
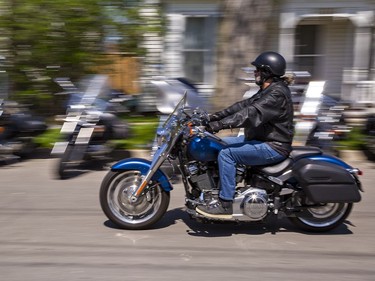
(266, 116)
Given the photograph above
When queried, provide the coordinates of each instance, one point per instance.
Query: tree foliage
(45, 39)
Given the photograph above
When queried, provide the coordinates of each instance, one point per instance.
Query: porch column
(173, 56)
(363, 22)
(362, 55)
(288, 23)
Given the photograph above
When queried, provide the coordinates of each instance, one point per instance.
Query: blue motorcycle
(316, 191)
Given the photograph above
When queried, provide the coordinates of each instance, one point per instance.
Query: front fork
(138, 191)
(159, 157)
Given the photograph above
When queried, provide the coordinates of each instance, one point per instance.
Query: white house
(333, 40)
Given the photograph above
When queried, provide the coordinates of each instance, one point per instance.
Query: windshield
(177, 110)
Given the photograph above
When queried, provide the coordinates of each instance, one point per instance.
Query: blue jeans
(238, 151)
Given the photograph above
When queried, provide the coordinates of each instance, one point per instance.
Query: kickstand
(273, 223)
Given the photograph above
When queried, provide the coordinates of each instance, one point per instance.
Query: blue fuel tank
(204, 149)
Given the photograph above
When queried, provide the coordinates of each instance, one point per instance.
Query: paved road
(55, 230)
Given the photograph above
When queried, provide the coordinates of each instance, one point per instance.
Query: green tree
(45, 39)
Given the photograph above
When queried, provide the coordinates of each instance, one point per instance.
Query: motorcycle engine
(255, 203)
(201, 176)
(206, 177)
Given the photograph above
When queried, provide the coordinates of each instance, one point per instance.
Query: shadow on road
(222, 229)
(82, 170)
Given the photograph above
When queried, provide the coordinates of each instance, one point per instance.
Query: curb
(44, 153)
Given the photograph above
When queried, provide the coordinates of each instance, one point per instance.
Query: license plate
(59, 147)
(84, 135)
(68, 127)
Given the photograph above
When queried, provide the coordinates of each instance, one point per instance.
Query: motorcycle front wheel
(72, 159)
(115, 192)
(322, 218)
(64, 162)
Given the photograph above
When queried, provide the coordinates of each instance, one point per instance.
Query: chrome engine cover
(255, 203)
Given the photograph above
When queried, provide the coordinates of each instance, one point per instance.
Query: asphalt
(55, 229)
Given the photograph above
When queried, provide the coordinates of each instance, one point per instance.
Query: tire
(68, 162)
(65, 162)
(28, 147)
(369, 131)
(323, 218)
(114, 195)
(72, 159)
(369, 147)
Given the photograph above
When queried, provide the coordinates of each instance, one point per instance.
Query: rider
(267, 118)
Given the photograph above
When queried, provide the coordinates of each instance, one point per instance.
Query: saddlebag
(324, 182)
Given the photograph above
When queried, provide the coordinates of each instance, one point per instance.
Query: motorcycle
(88, 127)
(18, 127)
(319, 118)
(314, 190)
(169, 92)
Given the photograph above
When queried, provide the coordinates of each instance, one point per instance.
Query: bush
(354, 141)
(48, 138)
(142, 134)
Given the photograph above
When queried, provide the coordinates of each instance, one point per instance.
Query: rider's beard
(258, 80)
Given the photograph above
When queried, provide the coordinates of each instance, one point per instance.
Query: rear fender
(331, 159)
(337, 161)
(143, 166)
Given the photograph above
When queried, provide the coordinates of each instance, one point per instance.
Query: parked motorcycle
(319, 118)
(89, 126)
(316, 191)
(369, 140)
(18, 128)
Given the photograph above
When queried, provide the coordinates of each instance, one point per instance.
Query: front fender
(143, 166)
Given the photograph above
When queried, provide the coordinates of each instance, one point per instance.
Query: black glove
(213, 117)
(215, 126)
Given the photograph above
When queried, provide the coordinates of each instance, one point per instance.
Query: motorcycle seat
(304, 151)
(277, 169)
(297, 153)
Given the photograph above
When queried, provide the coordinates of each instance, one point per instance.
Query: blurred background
(50, 50)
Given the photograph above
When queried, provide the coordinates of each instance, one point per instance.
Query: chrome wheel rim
(326, 215)
(119, 194)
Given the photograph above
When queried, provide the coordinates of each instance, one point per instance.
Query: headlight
(162, 136)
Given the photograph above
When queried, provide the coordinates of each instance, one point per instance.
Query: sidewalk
(353, 156)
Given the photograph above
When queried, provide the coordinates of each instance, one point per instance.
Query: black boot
(220, 209)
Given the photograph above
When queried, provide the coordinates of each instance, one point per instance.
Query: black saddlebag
(325, 182)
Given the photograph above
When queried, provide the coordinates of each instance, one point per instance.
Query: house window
(198, 49)
(307, 49)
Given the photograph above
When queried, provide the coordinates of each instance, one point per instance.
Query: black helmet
(271, 62)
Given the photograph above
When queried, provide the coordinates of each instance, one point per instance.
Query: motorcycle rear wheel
(323, 218)
(115, 192)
